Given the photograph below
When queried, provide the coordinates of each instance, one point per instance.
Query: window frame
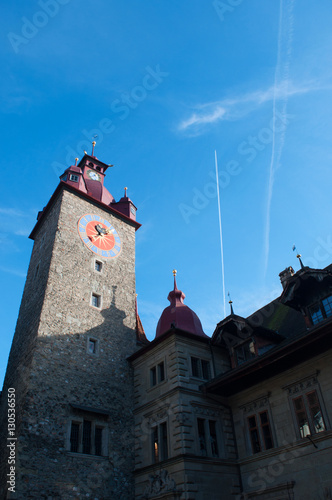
(98, 263)
(99, 300)
(157, 374)
(203, 366)
(159, 436)
(96, 345)
(307, 410)
(323, 312)
(95, 425)
(259, 428)
(245, 353)
(205, 446)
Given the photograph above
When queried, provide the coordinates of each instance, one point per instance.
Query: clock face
(93, 175)
(99, 236)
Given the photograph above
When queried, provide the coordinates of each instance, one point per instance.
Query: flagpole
(221, 240)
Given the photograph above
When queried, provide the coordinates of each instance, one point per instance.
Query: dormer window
(321, 310)
(245, 351)
(73, 178)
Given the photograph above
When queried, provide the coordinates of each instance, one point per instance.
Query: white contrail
(281, 77)
(221, 241)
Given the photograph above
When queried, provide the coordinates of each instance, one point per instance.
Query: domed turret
(178, 315)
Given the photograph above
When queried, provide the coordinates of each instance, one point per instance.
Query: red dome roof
(178, 315)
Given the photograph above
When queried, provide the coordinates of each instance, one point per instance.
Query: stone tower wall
(62, 380)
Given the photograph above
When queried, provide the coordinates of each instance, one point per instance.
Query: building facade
(103, 413)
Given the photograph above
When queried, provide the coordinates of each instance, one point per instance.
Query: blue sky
(164, 84)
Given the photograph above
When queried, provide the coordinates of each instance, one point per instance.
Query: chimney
(285, 275)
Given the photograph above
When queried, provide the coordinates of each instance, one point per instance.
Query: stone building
(103, 413)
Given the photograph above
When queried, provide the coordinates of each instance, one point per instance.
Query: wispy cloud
(15, 222)
(217, 113)
(237, 107)
(15, 272)
(12, 212)
(281, 79)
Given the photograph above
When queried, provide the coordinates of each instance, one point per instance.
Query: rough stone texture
(51, 369)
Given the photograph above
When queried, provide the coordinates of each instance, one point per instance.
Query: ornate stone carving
(257, 404)
(302, 385)
(158, 484)
(182, 418)
(200, 409)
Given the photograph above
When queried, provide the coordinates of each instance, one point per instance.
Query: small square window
(200, 368)
(95, 300)
(98, 266)
(92, 346)
(73, 178)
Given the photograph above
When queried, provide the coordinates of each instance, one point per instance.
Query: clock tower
(68, 364)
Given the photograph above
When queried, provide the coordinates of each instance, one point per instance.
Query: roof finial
(298, 256)
(76, 160)
(125, 195)
(230, 303)
(174, 272)
(93, 147)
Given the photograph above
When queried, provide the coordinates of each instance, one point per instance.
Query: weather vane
(298, 255)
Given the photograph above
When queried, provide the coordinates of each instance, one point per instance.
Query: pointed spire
(174, 272)
(230, 303)
(299, 257)
(176, 296)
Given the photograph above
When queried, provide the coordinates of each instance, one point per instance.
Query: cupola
(179, 316)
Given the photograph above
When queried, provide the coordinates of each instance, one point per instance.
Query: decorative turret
(178, 315)
(88, 177)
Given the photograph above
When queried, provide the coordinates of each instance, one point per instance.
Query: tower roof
(178, 315)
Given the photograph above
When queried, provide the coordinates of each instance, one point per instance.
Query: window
(157, 374)
(73, 178)
(245, 351)
(327, 305)
(260, 432)
(159, 442)
(87, 437)
(323, 309)
(200, 368)
(98, 266)
(316, 314)
(207, 437)
(309, 418)
(92, 347)
(95, 300)
(153, 376)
